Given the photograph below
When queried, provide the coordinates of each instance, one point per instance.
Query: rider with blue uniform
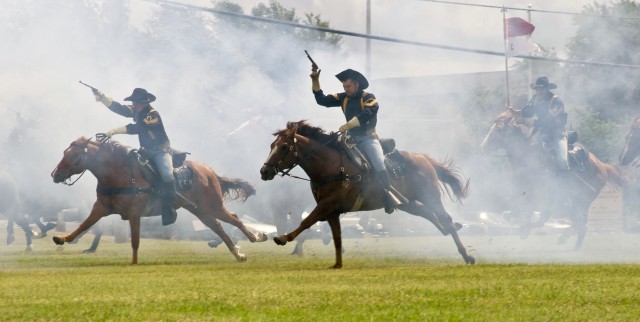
(153, 138)
(360, 109)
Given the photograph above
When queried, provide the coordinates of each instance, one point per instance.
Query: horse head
(631, 148)
(283, 155)
(507, 130)
(74, 161)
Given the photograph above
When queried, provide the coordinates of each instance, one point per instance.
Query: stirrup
(390, 202)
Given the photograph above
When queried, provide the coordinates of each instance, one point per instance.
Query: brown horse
(340, 186)
(536, 181)
(122, 189)
(631, 149)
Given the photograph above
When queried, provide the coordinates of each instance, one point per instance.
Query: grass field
(402, 279)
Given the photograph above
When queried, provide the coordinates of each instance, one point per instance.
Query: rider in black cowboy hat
(549, 128)
(153, 138)
(360, 109)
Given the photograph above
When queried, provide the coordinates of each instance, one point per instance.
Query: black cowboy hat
(356, 76)
(140, 95)
(543, 82)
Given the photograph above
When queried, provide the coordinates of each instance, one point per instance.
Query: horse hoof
(336, 266)
(58, 240)
(470, 260)
(89, 251)
(242, 258)
(213, 243)
(261, 237)
(280, 240)
(29, 249)
(10, 239)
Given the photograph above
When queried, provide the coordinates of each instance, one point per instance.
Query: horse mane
(114, 147)
(312, 132)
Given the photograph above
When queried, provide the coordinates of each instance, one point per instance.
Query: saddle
(182, 174)
(392, 158)
(578, 154)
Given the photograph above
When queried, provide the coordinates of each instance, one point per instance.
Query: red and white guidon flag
(517, 32)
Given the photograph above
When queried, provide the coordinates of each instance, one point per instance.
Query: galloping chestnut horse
(536, 181)
(338, 184)
(119, 172)
(631, 149)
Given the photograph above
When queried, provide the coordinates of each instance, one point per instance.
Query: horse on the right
(631, 149)
(542, 188)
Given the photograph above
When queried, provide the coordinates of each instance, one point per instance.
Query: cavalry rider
(549, 127)
(153, 138)
(360, 109)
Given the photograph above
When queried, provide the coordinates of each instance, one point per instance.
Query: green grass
(405, 279)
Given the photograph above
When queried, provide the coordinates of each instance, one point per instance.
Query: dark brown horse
(340, 186)
(119, 172)
(631, 149)
(542, 188)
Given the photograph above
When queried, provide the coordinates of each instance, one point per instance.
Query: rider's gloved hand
(315, 80)
(118, 130)
(354, 122)
(100, 97)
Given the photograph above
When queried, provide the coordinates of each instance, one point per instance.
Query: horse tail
(451, 179)
(236, 189)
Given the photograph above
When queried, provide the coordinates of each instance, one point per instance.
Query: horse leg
(526, 228)
(98, 211)
(304, 225)
(213, 224)
(418, 209)
(448, 223)
(444, 219)
(581, 227)
(43, 228)
(298, 250)
(28, 234)
(232, 219)
(10, 233)
(96, 241)
(334, 223)
(134, 224)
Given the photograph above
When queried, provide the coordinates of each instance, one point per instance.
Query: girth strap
(105, 191)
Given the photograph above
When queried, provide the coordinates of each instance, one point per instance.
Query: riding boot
(392, 198)
(169, 196)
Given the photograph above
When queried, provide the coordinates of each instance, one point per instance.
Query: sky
(437, 23)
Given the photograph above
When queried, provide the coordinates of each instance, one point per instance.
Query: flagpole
(506, 58)
(529, 61)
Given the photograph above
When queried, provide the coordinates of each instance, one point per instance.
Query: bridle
(277, 167)
(294, 148)
(84, 156)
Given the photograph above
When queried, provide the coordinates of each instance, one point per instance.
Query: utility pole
(368, 41)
